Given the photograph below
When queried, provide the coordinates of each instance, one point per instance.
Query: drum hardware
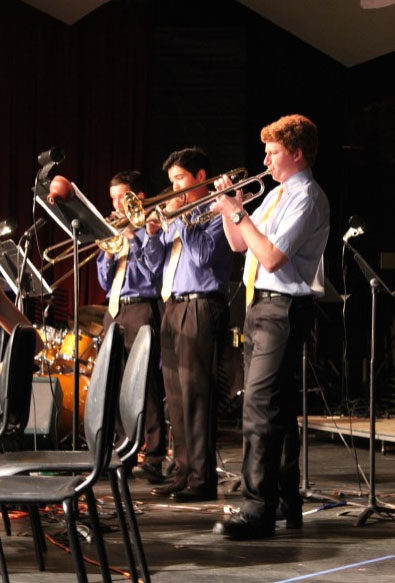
(52, 339)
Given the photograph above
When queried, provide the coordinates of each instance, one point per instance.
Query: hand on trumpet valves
(224, 204)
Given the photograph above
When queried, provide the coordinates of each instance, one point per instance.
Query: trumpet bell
(112, 245)
(134, 210)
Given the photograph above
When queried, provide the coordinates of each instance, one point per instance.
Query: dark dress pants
(192, 337)
(131, 317)
(274, 332)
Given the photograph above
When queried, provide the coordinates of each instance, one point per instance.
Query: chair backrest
(132, 399)
(16, 381)
(102, 400)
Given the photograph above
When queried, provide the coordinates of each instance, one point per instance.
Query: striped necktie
(252, 262)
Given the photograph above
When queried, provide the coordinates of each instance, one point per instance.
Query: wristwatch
(237, 217)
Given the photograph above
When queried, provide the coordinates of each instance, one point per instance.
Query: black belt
(196, 296)
(126, 301)
(265, 293)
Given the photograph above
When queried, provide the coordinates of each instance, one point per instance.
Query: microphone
(55, 155)
(48, 159)
(357, 227)
(35, 226)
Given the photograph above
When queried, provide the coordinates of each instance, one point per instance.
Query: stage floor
(181, 548)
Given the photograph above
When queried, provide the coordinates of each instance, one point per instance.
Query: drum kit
(56, 360)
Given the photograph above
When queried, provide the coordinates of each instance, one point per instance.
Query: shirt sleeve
(154, 252)
(296, 226)
(105, 271)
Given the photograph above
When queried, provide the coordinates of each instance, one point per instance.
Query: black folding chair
(132, 401)
(99, 415)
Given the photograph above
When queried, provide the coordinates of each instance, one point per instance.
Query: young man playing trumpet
(196, 262)
(134, 298)
(285, 239)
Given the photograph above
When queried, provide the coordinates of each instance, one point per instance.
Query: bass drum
(66, 418)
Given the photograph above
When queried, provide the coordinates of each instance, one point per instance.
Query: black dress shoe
(291, 514)
(167, 490)
(150, 472)
(241, 527)
(194, 495)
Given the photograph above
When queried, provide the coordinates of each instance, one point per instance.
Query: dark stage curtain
(83, 88)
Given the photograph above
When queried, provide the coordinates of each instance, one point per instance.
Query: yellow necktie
(252, 262)
(113, 304)
(168, 278)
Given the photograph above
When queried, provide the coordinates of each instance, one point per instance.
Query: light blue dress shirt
(299, 227)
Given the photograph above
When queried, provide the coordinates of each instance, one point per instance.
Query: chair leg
(74, 542)
(3, 566)
(123, 526)
(98, 537)
(38, 537)
(6, 519)
(134, 529)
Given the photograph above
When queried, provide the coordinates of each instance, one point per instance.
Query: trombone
(135, 218)
(136, 211)
(167, 217)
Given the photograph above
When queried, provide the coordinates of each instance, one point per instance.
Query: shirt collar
(304, 175)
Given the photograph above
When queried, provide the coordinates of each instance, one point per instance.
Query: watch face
(236, 217)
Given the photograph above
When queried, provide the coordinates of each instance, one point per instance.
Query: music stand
(376, 284)
(78, 217)
(31, 284)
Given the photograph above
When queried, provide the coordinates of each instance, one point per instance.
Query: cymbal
(94, 312)
(91, 319)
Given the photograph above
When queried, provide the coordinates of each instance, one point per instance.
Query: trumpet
(167, 217)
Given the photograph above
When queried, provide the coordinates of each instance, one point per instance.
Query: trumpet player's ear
(201, 175)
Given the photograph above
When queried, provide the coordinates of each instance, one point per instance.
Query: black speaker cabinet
(45, 410)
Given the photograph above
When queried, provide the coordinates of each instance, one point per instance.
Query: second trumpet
(167, 217)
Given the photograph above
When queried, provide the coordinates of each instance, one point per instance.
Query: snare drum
(87, 349)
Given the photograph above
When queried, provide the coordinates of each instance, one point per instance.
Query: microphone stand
(76, 397)
(19, 296)
(376, 284)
